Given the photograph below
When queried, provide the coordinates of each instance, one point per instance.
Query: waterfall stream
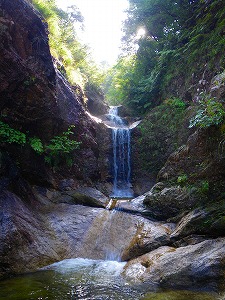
(96, 271)
(121, 142)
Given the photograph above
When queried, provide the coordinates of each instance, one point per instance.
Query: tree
(182, 38)
(74, 59)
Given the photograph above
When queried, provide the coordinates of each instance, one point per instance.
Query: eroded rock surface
(35, 97)
(31, 238)
(168, 202)
(200, 265)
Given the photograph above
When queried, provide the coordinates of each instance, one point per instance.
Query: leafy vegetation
(73, 57)
(182, 179)
(36, 144)
(183, 42)
(211, 112)
(58, 151)
(162, 132)
(10, 135)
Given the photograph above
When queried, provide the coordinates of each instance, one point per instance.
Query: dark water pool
(88, 280)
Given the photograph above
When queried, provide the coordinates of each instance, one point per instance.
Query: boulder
(32, 237)
(148, 236)
(191, 223)
(208, 221)
(168, 202)
(134, 206)
(201, 265)
(88, 196)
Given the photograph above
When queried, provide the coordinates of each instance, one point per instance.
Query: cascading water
(121, 137)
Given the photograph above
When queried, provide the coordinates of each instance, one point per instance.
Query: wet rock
(134, 206)
(88, 196)
(148, 236)
(117, 235)
(31, 238)
(168, 202)
(191, 223)
(201, 264)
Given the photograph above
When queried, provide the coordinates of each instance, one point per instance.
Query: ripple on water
(85, 279)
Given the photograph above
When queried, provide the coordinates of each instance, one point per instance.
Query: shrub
(210, 113)
(10, 135)
(37, 145)
(58, 151)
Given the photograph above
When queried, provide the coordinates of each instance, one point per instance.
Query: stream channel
(84, 278)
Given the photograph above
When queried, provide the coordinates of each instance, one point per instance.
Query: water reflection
(179, 295)
(87, 280)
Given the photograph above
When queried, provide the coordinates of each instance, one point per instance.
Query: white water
(121, 139)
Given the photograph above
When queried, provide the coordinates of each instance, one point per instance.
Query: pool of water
(88, 280)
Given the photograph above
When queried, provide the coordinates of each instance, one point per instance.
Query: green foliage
(73, 57)
(60, 148)
(211, 113)
(204, 187)
(183, 41)
(10, 135)
(57, 152)
(36, 144)
(175, 102)
(118, 81)
(182, 179)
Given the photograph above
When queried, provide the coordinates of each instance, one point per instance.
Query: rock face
(168, 202)
(201, 161)
(36, 98)
(95, 101)
(200, 265)
(36, 234)
(116, 235)
(31, 238)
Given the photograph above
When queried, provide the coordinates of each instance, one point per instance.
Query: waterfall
(121, 137)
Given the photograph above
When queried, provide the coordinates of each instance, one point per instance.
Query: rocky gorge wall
(46, 216)
(37, 99)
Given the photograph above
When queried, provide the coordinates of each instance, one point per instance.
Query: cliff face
(35, 97)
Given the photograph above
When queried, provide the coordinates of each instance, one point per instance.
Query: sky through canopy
(103, 25)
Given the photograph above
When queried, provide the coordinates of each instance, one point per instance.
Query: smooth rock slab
(31, 238)
(116, 235)
(201, 265)
(168, 202)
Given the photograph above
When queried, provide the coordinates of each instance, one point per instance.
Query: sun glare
(103, 24)
(141, 32)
